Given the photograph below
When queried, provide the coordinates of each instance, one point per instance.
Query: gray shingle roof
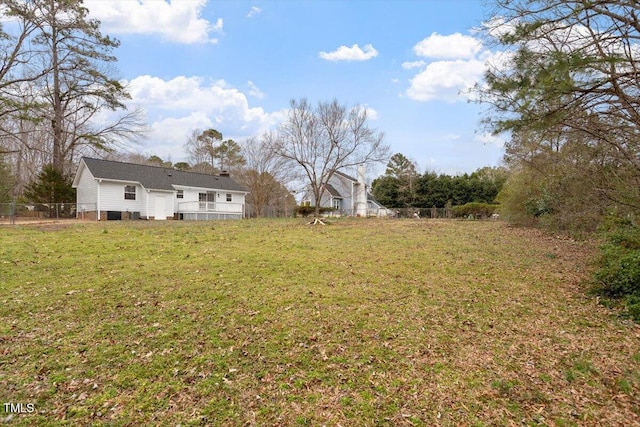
(344, 175)
(158, 178)
(332, 191)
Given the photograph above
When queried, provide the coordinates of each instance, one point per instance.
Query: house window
(180, 194)
(207, 200)
(129, 192)
(207, 197)
(336, 204)
(228, 197)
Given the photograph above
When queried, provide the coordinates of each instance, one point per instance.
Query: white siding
(354, 195)
(191, 197)
(346, 189)
(167, 197)
(112, 198)
(106, 195)
(235, 205)
(87, 191)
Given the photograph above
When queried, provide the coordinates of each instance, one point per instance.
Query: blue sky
(235, 65)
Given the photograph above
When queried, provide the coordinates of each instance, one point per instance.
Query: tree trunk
(56, 123)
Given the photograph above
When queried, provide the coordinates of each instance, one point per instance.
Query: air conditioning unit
(114, 215)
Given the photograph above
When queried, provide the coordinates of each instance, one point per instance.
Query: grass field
(359, 323)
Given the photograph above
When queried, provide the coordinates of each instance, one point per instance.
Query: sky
(235, 65)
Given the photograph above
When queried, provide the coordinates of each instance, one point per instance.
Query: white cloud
(496, 27)
(445, 80)
(254, 90)
(218, 26)
(169, 134)
(353, 53)
(254, 11)
(178, 106)
(371, 113)
(454, 64)
(175, 21)
(413, 64)
(454, 46)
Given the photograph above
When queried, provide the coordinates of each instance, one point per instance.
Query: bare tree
(17, 55)
(198, 158)
(264, 174)
(26, 143)
(322, 140)
(72, 61)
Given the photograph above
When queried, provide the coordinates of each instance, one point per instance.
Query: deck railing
(224, 207)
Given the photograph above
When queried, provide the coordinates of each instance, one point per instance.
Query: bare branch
(320, 141)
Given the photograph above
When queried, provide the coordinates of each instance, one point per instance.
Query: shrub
(306, 210)
(476, 209)
(633, 307)
(515, 198)
(618, 273)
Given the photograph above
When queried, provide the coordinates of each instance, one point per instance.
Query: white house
(117, 190)
(350, 196)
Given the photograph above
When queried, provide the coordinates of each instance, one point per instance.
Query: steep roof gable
(344, 175)
(157, 178)
(332, 191)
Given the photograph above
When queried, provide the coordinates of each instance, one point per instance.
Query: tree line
(566, 91)
(566, 95)
(402, 186)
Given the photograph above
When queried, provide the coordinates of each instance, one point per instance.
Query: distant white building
(349, 196)
(117, 190)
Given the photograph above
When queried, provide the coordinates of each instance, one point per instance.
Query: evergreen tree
(567, 94)
(51, 186)
(406, 176)
(229, 154)
(386, 190)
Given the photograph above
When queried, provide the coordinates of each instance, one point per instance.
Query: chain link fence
(23, 212)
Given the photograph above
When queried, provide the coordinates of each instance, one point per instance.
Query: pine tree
(51, 186)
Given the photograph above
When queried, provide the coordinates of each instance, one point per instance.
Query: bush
(618, 273)
(305, 210)
(633, 307)
(482, 210)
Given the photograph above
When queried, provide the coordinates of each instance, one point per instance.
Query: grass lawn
(367, 323)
